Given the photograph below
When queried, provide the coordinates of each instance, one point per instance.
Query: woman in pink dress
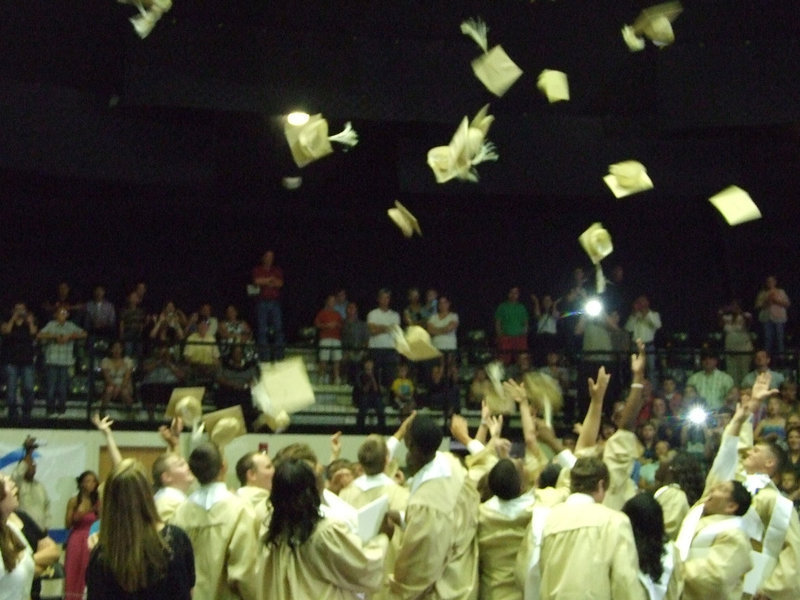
(82, 511)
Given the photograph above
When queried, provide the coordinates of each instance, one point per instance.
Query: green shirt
(513, 318)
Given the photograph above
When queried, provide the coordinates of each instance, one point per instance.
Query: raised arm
(520, 396)
(635, 399)
(104, 425)
(594, 416)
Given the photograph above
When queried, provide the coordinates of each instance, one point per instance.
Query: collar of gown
(578, 498)
(367, 482)
(439, 467)
(208, 495)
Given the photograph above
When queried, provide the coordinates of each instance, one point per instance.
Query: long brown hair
(130, 544)
(10, 544)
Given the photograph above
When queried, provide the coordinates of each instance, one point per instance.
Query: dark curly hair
(688, 474)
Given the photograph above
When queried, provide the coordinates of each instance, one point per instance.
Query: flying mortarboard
(627, 177)
(494, 68)
(736, 205)
(310, 141)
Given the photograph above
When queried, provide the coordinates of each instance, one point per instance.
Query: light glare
(593, 307)
(297, 118)
(697, 415)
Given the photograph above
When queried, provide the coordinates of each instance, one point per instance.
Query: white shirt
(644, 327)
(382, 317)
(16, 585)
(444, 341)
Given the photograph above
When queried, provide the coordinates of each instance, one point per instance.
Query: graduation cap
(403, 218)
(224, 426)
(466, 150)
(596, 242)
(414, 344)
(554, 85)
(150, 12)
(310, 141)
(736, 205)
(283, 388)
(627, 177)
(186, 403)
(494, 68)
(653, 23)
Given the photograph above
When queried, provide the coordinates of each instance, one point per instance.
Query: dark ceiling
(198, 102)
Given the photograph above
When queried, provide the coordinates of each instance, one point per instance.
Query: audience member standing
(380, 322)
(329, 325)
(643, 325)
(355, 337)
(59, 336)
(442, 326)
(511, 327)
(269, 279)
(82, 511)
(19, 335)
(33, 498)
(736, 326)
(771, 304)
(138, 556)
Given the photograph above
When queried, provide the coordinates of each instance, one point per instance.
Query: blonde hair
(130, 544)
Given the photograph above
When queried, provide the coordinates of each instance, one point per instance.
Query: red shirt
(325, 317)
(268, 292)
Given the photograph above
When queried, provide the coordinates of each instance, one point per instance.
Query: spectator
(341, 302)
(64, 299)
(329, 325)
(138, 555)
(412, 314)
(19, 335)
(761, 361)
(32, 495)
(233, 330)
(204, 313)
(201, 353)
(403, 391)
(59, 336)
(269, 317)
(643, 325)
(380, 322)
(511, 327)
(431, 304)
(443, 393)
(355, 337)
(773, 426)
(161, 374)
(101, 317)
(118, 377)
(546, 315)
(234, 381)
(442, 326)
(771, 304)
(711, 384)
(479, 387)
(132, 322)
(170, 327)
(735, 325)
(368, 395)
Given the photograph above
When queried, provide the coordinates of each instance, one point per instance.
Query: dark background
(161, 159)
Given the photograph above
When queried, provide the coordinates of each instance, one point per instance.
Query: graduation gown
(719, 572)
(367, 488)
(223, 530)
(332, 564)
(674, 505)
(437, 553)
(588, 553)
(502, 525)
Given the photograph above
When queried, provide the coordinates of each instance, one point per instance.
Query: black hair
(427, 436)
(647, 522)
(295, 503)
(549, 475)
(205, 461)
(504, 480)
(741, 497)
